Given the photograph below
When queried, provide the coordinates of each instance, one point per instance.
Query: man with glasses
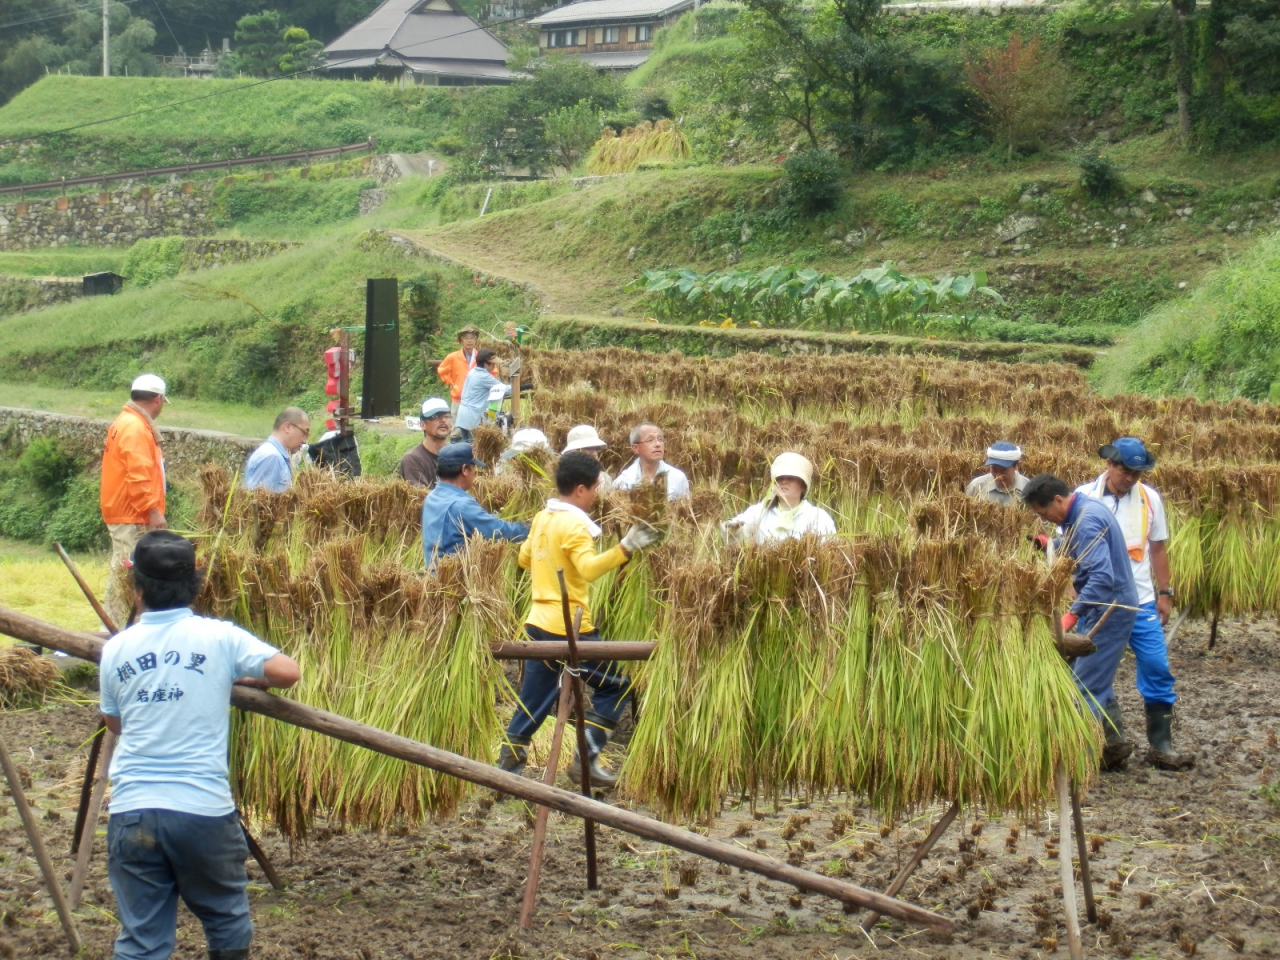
(269, 467)
(420, 466)
(650, 446)
(1140, 512)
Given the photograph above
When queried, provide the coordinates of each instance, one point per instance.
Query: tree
(131, 41)
(260, 43)
(570, 131)
(771, 81)
(505, 126)
(1023, 87)
(304, 54)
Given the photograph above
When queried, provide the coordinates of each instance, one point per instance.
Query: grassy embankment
(242, 120)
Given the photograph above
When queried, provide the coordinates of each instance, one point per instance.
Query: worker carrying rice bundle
(786, 512)
(561, 539)
(1103, 580)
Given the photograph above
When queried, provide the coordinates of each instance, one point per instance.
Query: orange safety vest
(132, 471)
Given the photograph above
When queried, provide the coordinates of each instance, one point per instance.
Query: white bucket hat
(792, 465)
(522, 441)
(583, 437)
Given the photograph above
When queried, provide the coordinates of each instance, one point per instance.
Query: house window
(611, 34)
(562, 38)
(644, 32)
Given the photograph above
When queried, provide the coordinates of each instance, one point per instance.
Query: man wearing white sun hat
(584, 438)
(1003, 483)
(785, 513)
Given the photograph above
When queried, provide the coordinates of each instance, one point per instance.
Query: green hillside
(227, 118)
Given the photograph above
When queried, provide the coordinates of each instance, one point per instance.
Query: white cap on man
(583, 437)
(432, 407)
(149, 383)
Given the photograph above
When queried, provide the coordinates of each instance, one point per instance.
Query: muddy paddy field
(1184, 864)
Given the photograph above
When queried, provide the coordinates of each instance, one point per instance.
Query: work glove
(640, 536)
(1069, 621)
(1039, 541)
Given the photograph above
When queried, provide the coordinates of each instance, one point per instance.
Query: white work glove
(640, 536)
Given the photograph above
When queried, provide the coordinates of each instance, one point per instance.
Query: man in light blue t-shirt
(174, 831)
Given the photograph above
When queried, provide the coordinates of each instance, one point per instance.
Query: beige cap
(583, 437)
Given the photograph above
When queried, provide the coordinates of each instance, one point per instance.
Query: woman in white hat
(584, 437)
(785, 513)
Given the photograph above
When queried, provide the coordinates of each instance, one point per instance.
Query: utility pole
(106, 41)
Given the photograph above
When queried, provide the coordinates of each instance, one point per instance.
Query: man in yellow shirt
(561, 539)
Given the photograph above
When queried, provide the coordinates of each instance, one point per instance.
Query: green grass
(278, 117)
(62, 262)
(240, 419)
(34, 581)
(1221, 341)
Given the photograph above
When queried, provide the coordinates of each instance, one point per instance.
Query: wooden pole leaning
(559, 650)
(1074, 943)
(917, 858)
(1082, 850)
(84, 842)
(37, 848)
(530, 902)
(571, 626)
(89, 647)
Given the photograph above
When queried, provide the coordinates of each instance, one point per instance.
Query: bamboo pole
(86, 788)
(580, 721)
(530, 901)
(917, 858)
(1086, 879)
(89, 828)
(89, 647)
(557, 650)
(87, 591)
(37, 848)
(1074, 943)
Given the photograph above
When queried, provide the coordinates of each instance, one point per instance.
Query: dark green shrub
(77, 522)
(46, 467)
(22, 513)
(421, 294)
(813, 181)
(1100, 176)
(156, 259)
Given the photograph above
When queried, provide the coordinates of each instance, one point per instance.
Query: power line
(176, 44)
(54, 16)
(259, 83)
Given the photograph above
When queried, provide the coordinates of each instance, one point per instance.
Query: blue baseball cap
(1129, 451)
(457, 456)
(1002, 453)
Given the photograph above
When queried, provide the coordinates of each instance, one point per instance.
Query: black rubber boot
(1115, 752)
(1162, 753)
(240, 953)
(514, 755)
(598, 732)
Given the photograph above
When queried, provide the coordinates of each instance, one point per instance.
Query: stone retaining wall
(185, 450)
(19, 294)
(110, 218)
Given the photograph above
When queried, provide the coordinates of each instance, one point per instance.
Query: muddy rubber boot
(1115, 752)
(1162, 753)
(598, 732)
(514, 755)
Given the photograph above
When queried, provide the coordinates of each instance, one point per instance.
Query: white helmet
(792, 465)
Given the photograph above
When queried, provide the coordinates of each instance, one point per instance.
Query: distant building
(430, 42)
(609, 34)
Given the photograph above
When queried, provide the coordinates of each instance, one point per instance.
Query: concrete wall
(185, 450)
(109, 218)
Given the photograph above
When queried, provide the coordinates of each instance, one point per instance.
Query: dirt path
(1185, 862)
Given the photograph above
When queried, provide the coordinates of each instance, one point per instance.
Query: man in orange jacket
(133, 484)
(454, 368)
